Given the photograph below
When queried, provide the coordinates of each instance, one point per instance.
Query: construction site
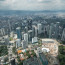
(52, 46)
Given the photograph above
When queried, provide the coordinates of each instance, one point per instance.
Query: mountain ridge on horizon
(19, 12)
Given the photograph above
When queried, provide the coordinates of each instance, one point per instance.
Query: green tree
(14, 50)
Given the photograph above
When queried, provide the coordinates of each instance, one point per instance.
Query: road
(11, 55)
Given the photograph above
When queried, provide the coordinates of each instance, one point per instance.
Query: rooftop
(48, 41)
(18, 28)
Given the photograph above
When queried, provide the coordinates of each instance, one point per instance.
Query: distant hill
(22, 12)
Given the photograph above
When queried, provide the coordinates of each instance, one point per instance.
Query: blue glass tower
(18, 30)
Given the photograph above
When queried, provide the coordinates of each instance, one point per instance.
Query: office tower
(6, 30)
(50, 33)
(33, 31)
(60, 29)
(2, 31)
(16, 25)
(26, 29)
(51, 30)
(44, 24)
(52, 25)
(63, 35)
(60, 32)
(47, 29)
(23, 35)
(29, 22)
(18, 30)
(57, 30)
(39, 28)
(24, 45)
(23, 25)
(6, 38)
(9, 25)
(26, 38)
(36, 32)
(18, 43)
(30, 35)
(20, 24)
(12, 34)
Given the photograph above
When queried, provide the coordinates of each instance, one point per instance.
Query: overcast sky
(32, 5)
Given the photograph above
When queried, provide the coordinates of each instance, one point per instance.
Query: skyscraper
(44, 25)
(26, 29)
(12, 34)
(9, 25)
(26, 38)
(57, 30)
(30, 35)
(33, 31)
(63, 35)
(2, 31)
(29, 22)
(36, 32)
(24, 45)
(6, 38)
(16, 25)
(18, 30)
(51, 30)
(39, 28)
(18, 43)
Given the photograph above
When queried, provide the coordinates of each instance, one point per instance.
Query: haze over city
(32, 32)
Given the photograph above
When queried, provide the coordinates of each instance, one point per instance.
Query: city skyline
(32, 32)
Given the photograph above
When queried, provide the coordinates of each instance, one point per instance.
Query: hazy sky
(32, 4)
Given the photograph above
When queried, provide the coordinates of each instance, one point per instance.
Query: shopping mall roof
(48, 41)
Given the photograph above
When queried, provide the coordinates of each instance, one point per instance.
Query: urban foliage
(63, 42)
(3, 50)
(11, 39)
(20, 62)
(61, 55)
(14, 50)
(28, 54)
